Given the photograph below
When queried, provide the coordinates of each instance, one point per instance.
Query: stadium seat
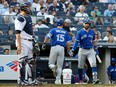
(79, 27)
(39, 33)
(11, 26)
(45, 30)
(11, 37)
(1, 50)
(3, 38)
(59, 13)
(4, 26)
(41, 38)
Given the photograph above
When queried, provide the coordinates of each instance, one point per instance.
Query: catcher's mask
(24, 7)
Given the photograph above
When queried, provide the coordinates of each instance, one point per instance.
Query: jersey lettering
(60, 37)
(84, 36)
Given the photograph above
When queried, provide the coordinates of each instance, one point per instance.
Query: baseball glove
(36, 50)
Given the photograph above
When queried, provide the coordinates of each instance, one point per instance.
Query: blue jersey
(58, 36)
(84, 39)
(111, 70)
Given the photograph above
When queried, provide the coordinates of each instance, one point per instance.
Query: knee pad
(31, 61)
(22, 62)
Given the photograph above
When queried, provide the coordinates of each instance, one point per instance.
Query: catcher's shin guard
(21, 68)
(29, 69)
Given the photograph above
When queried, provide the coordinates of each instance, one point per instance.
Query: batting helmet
(113, 59)
(60, 22)
(86, 21)
(23, 7)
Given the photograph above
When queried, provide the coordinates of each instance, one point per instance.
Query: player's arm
(76, 43)
(19, 25)
(47, 37)
(18, 39)
(68, 46)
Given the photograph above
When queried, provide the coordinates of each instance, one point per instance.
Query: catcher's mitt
(36, 50)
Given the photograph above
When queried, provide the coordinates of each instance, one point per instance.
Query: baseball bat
(98, 58)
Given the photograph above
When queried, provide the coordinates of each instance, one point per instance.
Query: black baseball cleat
(96, 81)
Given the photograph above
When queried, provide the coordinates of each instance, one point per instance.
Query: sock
(80, 72)
(94, 73)
(59, 73)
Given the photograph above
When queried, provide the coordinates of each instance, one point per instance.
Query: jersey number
(60, 37)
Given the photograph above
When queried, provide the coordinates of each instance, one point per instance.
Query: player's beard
(86, 27)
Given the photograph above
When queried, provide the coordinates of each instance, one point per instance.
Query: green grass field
(53, 85)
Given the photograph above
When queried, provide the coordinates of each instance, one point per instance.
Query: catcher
(24, 44)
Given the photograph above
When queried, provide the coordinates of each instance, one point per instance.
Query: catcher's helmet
(113, 59)
(86, 21)
(23, 7)
(60, 22)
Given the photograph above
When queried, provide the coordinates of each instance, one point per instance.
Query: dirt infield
(52, 85)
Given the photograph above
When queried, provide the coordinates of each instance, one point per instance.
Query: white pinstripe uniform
(23, 23)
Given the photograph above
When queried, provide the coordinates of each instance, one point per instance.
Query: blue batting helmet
(86, 21)
(60, 22)
(113, 59)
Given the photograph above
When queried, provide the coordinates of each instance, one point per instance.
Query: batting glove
(71, 53)
(43, 46)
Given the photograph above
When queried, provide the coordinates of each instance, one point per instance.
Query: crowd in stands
(45, 13)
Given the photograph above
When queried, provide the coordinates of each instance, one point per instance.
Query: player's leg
(92, 60)
(81, 63)
(60, 61)
(86, 78)
(29, 66)
(21, 70)
(22, 57)
(52, 58)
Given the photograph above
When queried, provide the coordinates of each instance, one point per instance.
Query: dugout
(107, 50)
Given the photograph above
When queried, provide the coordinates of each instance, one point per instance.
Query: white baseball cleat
(58, 81)
(36, 82)
(22, 83)
(96, 81)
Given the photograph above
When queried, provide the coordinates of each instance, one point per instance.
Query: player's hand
(36, 44)
(71, 53)
(43, 46)
(18, 50)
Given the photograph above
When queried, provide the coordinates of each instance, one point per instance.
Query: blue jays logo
(13, 65)
(1, 69)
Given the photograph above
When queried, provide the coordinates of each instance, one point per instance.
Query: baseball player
(111, 70)
(24, 44)
(59, 39)
(85, 41)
